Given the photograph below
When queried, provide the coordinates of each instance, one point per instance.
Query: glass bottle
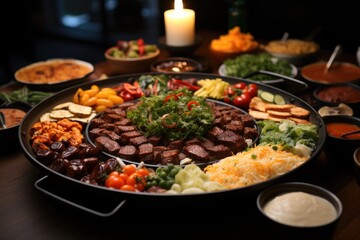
(237, 15)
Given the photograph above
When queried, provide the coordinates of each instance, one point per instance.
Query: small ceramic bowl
(125, 65)
(296, 51)
(281, 205)
(175, 65)
(333, 95)
(337, 147)
(339, 72)
(14, 113)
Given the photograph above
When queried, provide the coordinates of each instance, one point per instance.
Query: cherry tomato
(128, 169)
(139, 186)
(227, 99)
(240, 85)
(230, 91)
(143, 171)
(114, 181)
(127, 187)
(136, 178)
(251, 89)
(242, 101)
(124, 176)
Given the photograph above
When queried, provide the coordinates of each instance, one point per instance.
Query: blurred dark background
(40, 29)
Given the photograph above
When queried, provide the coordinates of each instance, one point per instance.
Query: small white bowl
(295, 231)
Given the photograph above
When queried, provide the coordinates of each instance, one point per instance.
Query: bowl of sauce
(13, 115)
(300, 210)
(175, 65)
(339, 72)
(333, 95)
(338, 145)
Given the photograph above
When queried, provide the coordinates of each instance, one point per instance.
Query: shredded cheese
(255, 165)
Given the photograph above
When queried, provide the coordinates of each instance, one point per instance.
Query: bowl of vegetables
(132, 56)
(248, 65)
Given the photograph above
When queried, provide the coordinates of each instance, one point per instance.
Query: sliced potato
(64, 105)
(61, 113)
(80, 110)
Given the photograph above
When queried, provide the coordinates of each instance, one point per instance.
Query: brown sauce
(338, 73)
(176, 66)
(13, 116)
(339, 94)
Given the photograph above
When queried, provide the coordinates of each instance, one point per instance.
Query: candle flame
(178, 5)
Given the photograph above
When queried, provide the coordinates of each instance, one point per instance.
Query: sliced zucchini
(64, 105)
(278, 99)
(267, 96)
(80, 110)
(46, 118)
(61, 113)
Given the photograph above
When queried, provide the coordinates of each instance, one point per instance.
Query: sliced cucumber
(267, 96)
(278, 99)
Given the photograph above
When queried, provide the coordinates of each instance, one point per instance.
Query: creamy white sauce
(300, 209)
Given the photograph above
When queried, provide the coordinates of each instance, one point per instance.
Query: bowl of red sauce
(333, 95)
(338, 144)
(14, 113)
(339, 72)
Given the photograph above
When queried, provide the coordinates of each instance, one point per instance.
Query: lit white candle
(179, 25)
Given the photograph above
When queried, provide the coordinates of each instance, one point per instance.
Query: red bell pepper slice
(192, 104)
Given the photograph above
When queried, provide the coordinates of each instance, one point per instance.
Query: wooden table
(26, 213)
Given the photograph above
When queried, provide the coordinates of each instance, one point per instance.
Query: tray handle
(38, 186)
(273, 74)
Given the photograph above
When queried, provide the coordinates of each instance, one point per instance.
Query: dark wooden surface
(26, 213)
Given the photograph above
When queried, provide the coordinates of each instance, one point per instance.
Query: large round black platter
(102, 192)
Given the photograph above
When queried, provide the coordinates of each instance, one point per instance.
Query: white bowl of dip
(298, 210)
